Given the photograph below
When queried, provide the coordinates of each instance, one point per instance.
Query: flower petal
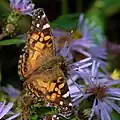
(2, 104)
(23, 6)
(14, 116)
(93, 110)
(6, 109)
(113, 105)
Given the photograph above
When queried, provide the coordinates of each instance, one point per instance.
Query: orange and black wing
(39, 44)
(51, 82)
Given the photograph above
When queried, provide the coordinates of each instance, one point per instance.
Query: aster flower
(23, 6)
(86, 45)
(88, 48)
(104, 94)
(88, 29)
(5, 110)
(11, 91)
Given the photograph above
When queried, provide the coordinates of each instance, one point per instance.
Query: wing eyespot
(26, 55)
(25, 69)
(49, 43)
(31, 85)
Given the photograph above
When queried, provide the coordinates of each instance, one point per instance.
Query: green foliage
(99, 11)
(3, 97)
(4, 9)
(11, 41)
(97, 15)
(115, 116)
(111, 6)
(38, 112)
(66, 22)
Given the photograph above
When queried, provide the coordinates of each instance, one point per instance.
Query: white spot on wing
(38, 25)
(43, 16)
(38, 16)
(61, 102)
(66, 95)
(57, 118)
(54, 116)
(70, 104)
(46, 26)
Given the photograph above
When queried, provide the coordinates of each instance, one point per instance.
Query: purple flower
(5, 110)
(11, 91)
(98, 85)
(91, 70)
(86, 45)
(88, 29)
(23, 6)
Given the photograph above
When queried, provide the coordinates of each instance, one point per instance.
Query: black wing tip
(37, 11)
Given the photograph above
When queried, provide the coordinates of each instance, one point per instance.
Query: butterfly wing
(50, 80)
(41, 69)
(39, 44)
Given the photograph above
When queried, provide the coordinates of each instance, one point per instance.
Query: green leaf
(39, 112)
(66, 22)
(11, 42)
(100, 9)
(4, 8)
(112, 6)
(97, 14)
(115, 116)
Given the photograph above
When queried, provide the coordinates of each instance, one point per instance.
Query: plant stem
(64, 7)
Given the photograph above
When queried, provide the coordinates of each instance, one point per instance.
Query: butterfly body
(44, 73)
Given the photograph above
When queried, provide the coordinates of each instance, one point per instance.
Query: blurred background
(106, 13)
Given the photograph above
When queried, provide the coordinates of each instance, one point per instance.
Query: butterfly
(44, 72)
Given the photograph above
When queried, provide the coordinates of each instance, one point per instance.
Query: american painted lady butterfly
(44, 73)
